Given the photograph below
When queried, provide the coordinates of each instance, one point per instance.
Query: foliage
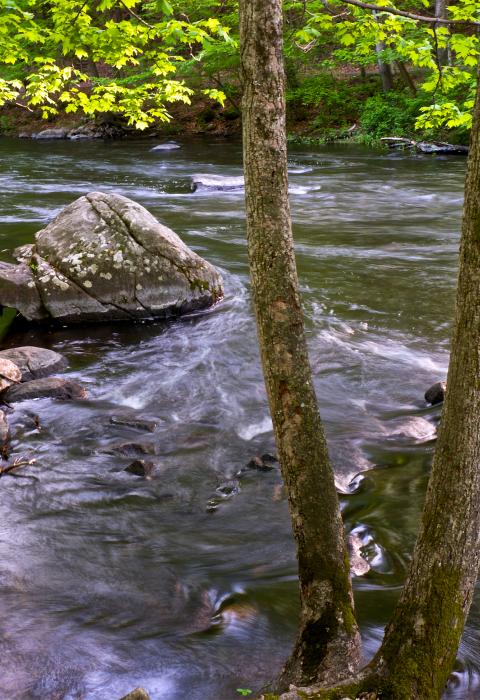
(63, 47)
(391, 114)
(136, 57)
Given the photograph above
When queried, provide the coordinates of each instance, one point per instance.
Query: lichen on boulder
(106, 258)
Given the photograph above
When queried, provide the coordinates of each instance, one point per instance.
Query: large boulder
(106, 258)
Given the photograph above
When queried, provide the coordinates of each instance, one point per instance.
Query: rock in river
(169, 146)
(50, 387)
(106, 258)
(436, 393)
(137, 694)
(9, 373)
(140, 467)
(218, 182)
(33, 362)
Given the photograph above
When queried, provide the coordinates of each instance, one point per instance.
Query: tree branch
(137, 17)
(411, 15)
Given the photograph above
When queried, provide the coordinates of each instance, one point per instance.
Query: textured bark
(422, 638)
(327, 646)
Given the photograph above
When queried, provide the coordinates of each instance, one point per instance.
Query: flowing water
(185, 583)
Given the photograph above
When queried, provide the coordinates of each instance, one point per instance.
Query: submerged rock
(34, 362)
(130, 449)
(265, 463)
(50, 387)
(133, 421)
(217, 182)
(140, 467)
(137, 694)
(106, 258)
(436, 393)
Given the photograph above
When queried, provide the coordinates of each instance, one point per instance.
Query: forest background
(353, 71)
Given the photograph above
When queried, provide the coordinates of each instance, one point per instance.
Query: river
(185, 583)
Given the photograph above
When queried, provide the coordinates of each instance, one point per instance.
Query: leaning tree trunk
(422, 638)
(327, 646)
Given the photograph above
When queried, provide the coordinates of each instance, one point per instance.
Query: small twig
(137, 17)
(16, 464)
(79, 12)
(19, 104)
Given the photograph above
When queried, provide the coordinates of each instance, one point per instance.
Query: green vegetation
(137, 58)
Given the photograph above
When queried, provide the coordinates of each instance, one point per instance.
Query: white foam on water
(248, 432)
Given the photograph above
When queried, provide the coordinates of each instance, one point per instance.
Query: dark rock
(49, 387)
(86, 131)
(60, 133)
(229, 488)
(218, 182)
(140, 467)
(133, 421)
(441, 148)
(436, 393)
(131, 449)
(106, 258)
(35, 363)
(265, 463)
(137, 694)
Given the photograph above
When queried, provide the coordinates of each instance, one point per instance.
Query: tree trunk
(406, 77)
(384, 69)
(422, 638)
(441, 11)
(327, 646)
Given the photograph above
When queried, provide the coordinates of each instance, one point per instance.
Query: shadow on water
(185, 583)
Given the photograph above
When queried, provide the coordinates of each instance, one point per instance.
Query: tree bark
(422, 638)
(441, 11)
(327, 645)
(384, 69)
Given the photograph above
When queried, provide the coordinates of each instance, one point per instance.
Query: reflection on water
(185, 583)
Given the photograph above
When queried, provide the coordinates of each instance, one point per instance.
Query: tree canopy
(135, 57)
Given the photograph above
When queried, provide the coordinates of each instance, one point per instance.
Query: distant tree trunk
(384, 69)
(406, 77)
(327, 646)
(441, 11)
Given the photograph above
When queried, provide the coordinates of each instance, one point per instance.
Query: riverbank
(320, 110)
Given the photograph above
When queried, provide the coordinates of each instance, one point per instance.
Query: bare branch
(411, 15)
(16, 464)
